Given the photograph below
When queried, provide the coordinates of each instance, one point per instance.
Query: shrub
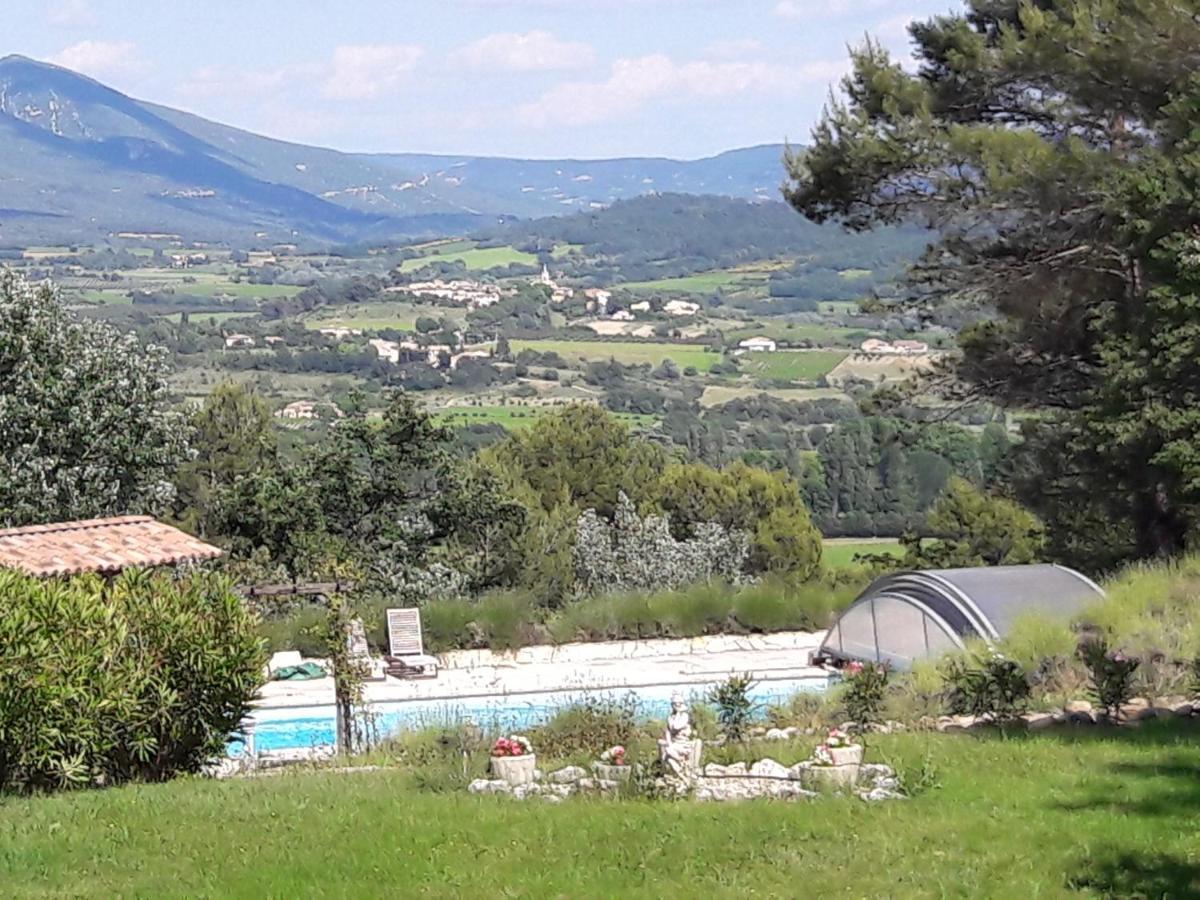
(735, 709)
(1111, 675)
(866, 688)
(588, 727)
(138, 680)
(986, 685)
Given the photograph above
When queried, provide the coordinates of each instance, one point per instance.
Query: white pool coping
(607, 666)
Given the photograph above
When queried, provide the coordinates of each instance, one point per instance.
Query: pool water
(311, 727)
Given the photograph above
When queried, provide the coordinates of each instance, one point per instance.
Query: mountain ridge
(83, 161)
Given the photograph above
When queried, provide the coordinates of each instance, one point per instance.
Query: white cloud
(215, 81)
(534, 51)
(737, 48)
(365, 71)
(635, 83)
(73, 14)
(100, 59)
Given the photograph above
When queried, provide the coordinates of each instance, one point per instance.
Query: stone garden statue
(677, 749)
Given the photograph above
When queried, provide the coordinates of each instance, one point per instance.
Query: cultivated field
(474, 258)
(791, 365)
(703, 283)
(512, 417)
(628, 352)
(716, 394)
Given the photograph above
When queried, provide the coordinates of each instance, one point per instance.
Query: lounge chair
(407, 657)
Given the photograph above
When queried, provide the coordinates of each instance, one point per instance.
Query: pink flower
(854, 668)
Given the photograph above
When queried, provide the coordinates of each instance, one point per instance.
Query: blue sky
(541, 78)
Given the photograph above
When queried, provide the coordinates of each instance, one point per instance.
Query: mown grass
(628, 352)
(1088, 812)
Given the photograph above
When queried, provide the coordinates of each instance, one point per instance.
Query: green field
(377, 316)
(801, 331)
(1082, 812)
(513, 417)
(702, 283)
(474, 258)
(791, 365)
(628, 352)
(839, 553)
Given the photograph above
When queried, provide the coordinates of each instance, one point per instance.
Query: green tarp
(303, 672)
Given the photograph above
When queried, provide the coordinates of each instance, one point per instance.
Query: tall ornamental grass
(140, 679)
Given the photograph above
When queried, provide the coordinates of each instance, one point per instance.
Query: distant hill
(82, 161)
(669, 235)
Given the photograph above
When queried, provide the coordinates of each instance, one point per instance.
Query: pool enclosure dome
(910, 616)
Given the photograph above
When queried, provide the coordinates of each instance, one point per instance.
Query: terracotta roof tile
(98, 545)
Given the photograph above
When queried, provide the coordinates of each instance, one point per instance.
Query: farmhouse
(341, 333)
(389, 350)
(104, 546)
(876, 347)
(238, 340)
(758, 344)
(623, 315)
(681, 308)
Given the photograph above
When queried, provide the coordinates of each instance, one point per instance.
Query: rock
(792, 732)
(731, 789)
(776, 734)
(896, 727)
(558, 790)
(1184, 709)
(586, 784)
(1082, 717)
(552, 798)
(737, 768)
(831, 779)
(489, 786)
(567, 775)
(1038, 721)
(539, 775)
(927, 723)
(876, 795)
(876, 770)
(605, 784)
(800, 769)
(1078, 706)
(768, 768)
(1139, 703)
(521, 791)
(847, 756)
(1136, 712)
(712, 770)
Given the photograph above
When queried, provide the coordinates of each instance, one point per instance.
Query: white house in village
(876, 347)
(389, 350)
(233, 341)
(623, 315)
(640, 306)
(341, 333)
(758, 344)
(681, 308)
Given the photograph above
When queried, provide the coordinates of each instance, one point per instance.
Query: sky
(529, 78)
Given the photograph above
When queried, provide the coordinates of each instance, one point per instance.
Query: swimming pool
(312, 727)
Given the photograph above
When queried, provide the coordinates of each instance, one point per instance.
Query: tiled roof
(98, 545)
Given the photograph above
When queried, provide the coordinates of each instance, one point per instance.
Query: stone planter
(516, 770)
(606, 772)
(847, 756)
(831, 779)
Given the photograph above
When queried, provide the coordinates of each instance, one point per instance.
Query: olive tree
(86, 428)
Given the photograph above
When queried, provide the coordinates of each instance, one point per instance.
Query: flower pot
(830, 779)
(846, 756)
(516, 770)
(612, 773)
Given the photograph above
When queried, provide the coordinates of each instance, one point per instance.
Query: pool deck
(618, 665)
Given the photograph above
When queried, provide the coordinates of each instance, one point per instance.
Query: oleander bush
(139, 679)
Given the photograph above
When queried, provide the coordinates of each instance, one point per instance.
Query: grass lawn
(513, 417)
(628, 352)
(472, 257)
(1076, 813)
(377, 316)
(791, 365)
(839, 553)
